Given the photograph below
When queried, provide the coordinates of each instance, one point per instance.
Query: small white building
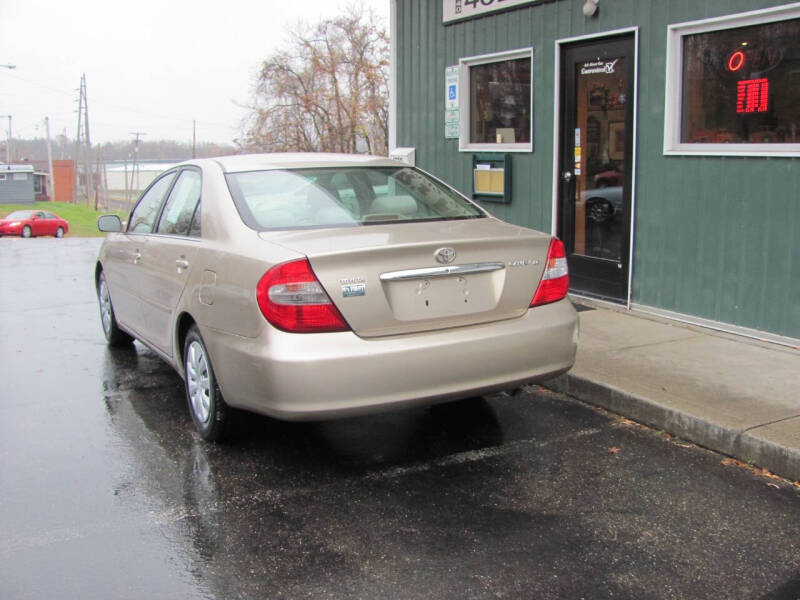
(16, 184)
(120, 176)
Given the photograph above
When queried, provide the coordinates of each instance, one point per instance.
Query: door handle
(137, 257)
(181, 263)
(567, 176)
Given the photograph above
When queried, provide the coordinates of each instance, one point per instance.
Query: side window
(176, 218)
(144, 215)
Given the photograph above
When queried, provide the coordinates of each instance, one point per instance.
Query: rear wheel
(209, 412)
(114, 335)
(26, 231)
(60, 232)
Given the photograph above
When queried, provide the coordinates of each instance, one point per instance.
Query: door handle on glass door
(567, 176)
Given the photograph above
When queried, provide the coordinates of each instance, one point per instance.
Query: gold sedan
(311, 286)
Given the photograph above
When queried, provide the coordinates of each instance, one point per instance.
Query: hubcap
(198, 381)
(105, 306)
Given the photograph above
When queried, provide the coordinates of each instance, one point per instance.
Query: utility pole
(8, 142)
(89, 173)
(50, 160)
(126, 180)
(78, 143)
(83, 145)
(97, 181)
(135, 168)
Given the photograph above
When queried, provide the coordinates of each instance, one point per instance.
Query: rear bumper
(317, 376)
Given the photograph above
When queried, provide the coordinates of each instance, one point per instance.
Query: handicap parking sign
(451, 94)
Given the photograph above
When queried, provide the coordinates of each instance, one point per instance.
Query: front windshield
(20, 214)
(352, 196)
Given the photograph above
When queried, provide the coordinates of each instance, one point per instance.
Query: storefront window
(741, 85)
(732, 85)
(497, 114)
(500, 104)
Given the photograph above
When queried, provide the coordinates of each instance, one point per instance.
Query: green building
(659, 139)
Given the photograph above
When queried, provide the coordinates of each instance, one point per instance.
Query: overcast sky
(151, 65)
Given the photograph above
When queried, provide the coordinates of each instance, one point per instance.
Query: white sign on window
(455, 10)
(20, 177)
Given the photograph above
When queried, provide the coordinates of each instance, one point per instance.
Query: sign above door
(458, 10)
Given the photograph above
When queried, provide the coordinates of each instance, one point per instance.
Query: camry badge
(445, 255)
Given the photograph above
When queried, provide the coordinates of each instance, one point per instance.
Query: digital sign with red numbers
(752, 95)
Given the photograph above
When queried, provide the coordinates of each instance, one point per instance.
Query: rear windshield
(308, 198)
(20, 214)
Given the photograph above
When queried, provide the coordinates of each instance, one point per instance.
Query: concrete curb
(744, 445)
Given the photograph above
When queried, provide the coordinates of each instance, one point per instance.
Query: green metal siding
(716, 237)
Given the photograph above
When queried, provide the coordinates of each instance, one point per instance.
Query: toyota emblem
(445, 255)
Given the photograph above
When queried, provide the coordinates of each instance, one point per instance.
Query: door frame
(557, 135)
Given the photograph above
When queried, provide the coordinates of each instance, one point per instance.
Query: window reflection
(500, 102)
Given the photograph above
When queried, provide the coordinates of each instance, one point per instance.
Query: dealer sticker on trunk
(354, 286)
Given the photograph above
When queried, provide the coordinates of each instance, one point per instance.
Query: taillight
(291, 298)
(554, 284)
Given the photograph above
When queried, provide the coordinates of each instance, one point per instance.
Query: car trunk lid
(386, 279)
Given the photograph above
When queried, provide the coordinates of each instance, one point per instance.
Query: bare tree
(327, 91)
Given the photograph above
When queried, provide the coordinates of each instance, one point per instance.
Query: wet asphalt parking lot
(107, 492)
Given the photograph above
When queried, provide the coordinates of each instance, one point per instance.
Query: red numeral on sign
(752, 95)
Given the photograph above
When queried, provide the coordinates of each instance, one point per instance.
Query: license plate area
(441, 297)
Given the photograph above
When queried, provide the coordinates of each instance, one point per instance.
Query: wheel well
(185, 321)
(97, 270)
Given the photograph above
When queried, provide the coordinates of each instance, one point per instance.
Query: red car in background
(28, 223)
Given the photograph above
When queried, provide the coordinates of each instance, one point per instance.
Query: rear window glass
(20, 214)
(296, 198)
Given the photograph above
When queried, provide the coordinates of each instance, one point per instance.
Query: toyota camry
(312, 286)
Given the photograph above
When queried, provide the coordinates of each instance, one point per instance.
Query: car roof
(300, 160)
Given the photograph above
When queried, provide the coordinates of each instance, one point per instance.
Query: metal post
(77, 155)
(50, 161)
(8, 143)
(89, 173)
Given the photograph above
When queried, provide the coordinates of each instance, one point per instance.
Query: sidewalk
(732, 394)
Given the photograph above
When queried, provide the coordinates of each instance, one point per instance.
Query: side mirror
(109, 224)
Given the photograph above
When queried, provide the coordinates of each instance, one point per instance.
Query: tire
(27, 231)
(600, 210)
(59, 232)
(114, 335)
(209, 412)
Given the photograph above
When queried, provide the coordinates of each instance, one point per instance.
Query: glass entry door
(595, 164)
